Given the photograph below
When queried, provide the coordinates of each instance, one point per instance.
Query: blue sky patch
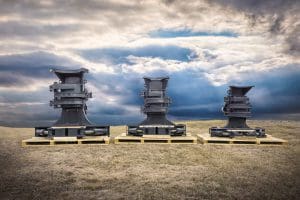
(169, 33)
(119, 55)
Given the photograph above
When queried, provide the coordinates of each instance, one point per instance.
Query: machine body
(155, 107)
(70, 95)
(237, 108)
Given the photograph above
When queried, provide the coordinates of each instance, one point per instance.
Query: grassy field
(152, 171)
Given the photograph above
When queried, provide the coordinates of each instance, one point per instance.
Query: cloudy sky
(203, 46)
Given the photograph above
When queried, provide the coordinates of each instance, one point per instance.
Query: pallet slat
(154, 139)
(38, 141)
(269, 140)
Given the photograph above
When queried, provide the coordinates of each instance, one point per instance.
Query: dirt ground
(152, 171)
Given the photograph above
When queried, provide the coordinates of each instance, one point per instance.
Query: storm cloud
(203, 46)
(281, 16)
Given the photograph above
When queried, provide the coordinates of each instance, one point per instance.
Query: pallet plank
(269, 140)
(39, 141)
(154, 139)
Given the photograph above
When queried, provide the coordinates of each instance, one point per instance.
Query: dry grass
(152, 171)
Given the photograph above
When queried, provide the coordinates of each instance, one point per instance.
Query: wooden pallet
(269, 140)
(39, 141)
(161, 139)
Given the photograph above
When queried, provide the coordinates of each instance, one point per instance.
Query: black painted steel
(237, 108)
(70, 95)
(156, 105)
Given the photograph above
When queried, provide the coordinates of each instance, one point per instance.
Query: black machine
(156, 107)
(237, 108)
(70, 94)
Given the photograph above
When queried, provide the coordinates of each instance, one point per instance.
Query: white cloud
(267, 39)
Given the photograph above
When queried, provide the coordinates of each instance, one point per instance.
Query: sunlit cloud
(203, 46)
